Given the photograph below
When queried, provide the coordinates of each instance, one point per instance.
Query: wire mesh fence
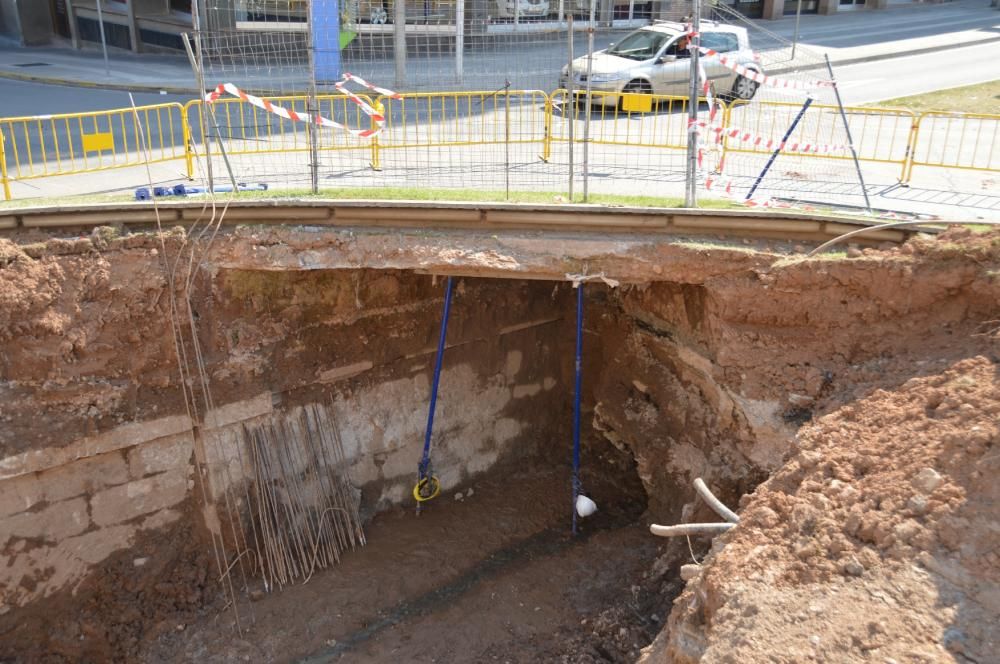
(570, 97)
(494, 96)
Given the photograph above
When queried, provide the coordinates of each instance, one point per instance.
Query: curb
(95, 85)
(177, 90)
(880, 56)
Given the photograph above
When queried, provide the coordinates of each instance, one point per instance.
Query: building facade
(157, 25)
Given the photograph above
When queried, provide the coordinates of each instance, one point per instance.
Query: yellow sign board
(98, 142)
(637, 103)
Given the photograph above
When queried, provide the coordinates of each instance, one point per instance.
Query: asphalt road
(870, 82)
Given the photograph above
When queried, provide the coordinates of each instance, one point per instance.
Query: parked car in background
(655, 60)
(522, 8)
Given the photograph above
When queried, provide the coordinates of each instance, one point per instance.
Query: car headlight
(606, 78)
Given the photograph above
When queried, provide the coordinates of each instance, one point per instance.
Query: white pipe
(690, 529)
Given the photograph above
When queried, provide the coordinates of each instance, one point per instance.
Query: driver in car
(680, 48)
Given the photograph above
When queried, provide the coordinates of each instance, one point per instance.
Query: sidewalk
(848, 38)
(865, 36)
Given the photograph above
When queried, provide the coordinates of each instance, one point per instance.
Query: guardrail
(69, 143)
(456, 119)
(969, 141)
(74, 143)
(881, 135)
(248, 130)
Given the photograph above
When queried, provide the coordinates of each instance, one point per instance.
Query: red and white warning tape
(289, 114)
(758, 77)
(763, 79)
(746, 136)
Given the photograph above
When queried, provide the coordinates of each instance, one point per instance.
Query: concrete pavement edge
(96, 85)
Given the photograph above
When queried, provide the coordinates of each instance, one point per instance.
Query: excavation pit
(135, 511)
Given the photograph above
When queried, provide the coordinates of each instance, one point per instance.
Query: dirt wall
(714, 378)
(99, 447)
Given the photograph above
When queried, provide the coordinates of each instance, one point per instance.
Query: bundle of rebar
(304, 512)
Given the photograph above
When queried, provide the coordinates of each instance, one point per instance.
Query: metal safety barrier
(245, 129)
(71, 143)
(628, 133)
(629, 119)
(881, 135)
(455, 119)
(969, 141)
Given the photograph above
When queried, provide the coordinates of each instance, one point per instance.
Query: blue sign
(324, 20)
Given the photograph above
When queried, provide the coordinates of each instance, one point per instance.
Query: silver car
(655, 60)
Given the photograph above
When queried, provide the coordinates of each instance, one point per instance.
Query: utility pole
(795, 39)
(104, 42)
(691, 178)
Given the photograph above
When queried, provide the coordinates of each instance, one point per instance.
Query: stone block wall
(63, 512)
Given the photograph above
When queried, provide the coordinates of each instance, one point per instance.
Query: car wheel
(379, 15)
(637, 86)
(744, 88)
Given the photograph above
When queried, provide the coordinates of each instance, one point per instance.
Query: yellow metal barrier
(881, 135)
(248, 130)
(451, 119)
(447, 134)
(3, 170)
(651, 121)
(54, 145)
(969, 141)
(69, 143)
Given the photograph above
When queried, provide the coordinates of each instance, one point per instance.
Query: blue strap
(426, 460)
(576, 399)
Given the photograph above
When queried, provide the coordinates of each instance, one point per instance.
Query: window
(723, 42)
(640, 45)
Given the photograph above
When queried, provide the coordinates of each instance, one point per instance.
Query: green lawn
(979, 98)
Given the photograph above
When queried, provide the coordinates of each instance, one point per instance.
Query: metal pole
(586, 120)
(691, 178)
(215, 122)
(578, 385)
(506, 138)
(460, 40)
(850, 140)
(104, 43)
(795, 39)
(198, 64)
(774, 155)
(312, 105)
(424, 471)
(399, 40)
(570, 104)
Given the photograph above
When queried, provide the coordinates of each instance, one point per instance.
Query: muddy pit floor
(493, 577)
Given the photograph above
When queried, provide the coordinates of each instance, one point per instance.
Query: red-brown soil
(876, 538)
(878, 541)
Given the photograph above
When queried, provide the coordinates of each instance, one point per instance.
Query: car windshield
(640, 45)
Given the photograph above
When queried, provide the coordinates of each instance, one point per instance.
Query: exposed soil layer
(878, 539)
(863, 385)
